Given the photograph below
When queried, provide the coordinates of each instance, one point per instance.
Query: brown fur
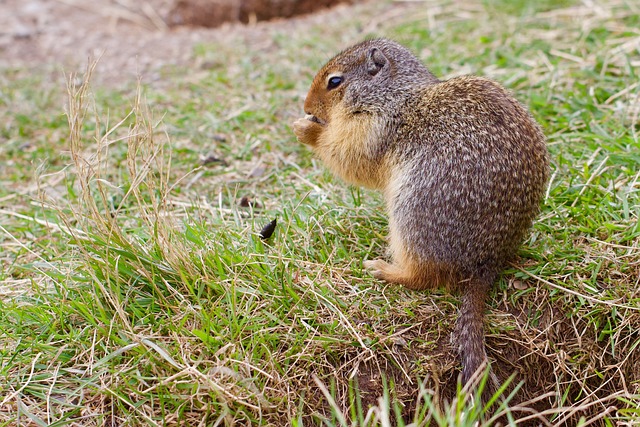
(461, 163)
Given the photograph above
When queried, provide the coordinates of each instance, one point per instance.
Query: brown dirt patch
(213, 13)
(552, 355)
(131, 38)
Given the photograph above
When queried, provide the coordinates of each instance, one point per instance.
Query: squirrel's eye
(334, 82)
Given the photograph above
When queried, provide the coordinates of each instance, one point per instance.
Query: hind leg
(404, 271)
(391, 273)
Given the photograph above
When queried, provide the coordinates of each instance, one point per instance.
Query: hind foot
(379, 269)
(393, 273)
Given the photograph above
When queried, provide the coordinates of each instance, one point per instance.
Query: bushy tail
(470, 329)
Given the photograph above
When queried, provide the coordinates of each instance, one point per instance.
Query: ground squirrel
(462, 166)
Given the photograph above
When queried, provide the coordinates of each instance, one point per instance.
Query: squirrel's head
(371, 77)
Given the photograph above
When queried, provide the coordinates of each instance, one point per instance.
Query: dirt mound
(213, 13)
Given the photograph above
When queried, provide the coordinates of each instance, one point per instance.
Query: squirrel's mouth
(315, 119)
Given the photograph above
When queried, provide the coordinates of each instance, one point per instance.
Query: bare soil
(131, 38)
(213, 13)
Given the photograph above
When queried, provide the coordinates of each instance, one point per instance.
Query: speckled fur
(461, 163)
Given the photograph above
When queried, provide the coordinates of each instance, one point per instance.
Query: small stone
(520, 285)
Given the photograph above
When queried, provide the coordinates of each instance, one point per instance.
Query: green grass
(136, 290)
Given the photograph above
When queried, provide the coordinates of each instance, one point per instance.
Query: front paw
(307, 131)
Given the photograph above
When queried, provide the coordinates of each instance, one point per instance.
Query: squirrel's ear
(375, 61)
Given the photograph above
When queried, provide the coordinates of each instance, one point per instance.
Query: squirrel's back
(471, 171)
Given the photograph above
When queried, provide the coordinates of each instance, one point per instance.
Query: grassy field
(135, 289)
